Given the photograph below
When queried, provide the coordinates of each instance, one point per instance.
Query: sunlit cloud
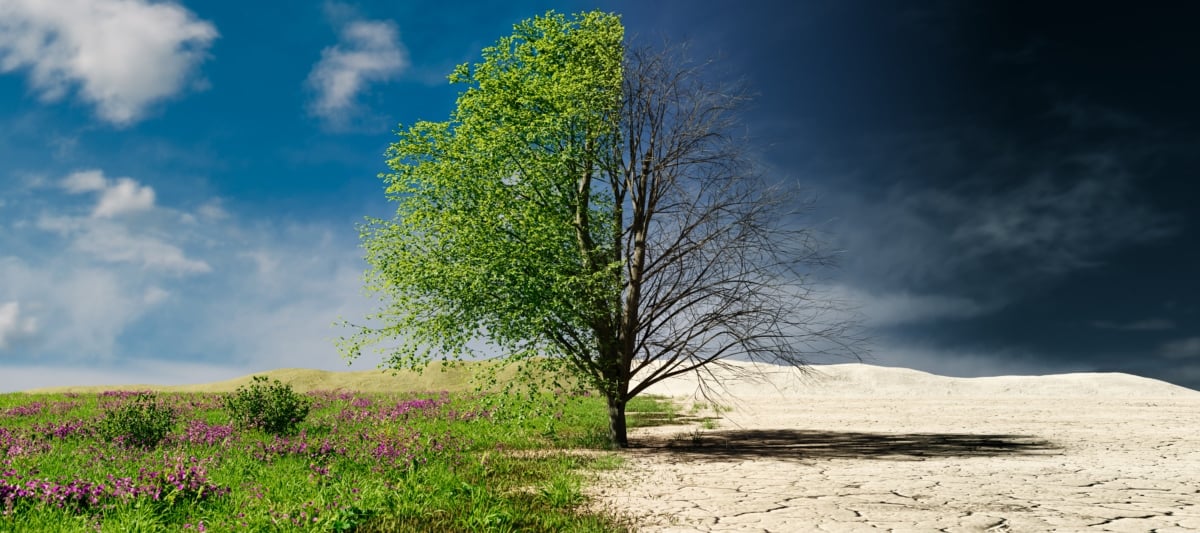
(116, 197)
(367, 52)
(122, 56)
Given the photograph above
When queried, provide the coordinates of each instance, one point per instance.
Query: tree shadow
(643, 420)
(812, 444)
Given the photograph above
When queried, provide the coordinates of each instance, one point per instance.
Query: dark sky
(1012, 183)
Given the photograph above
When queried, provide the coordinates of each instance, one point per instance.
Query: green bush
(142, 421)
(271, 407)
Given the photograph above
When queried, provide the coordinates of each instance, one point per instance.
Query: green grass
(360, 462)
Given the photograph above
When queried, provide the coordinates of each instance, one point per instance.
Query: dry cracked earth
(788, 463)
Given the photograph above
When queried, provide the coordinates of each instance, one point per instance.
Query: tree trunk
(616, 422)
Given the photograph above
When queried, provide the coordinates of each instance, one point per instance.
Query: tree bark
(616, 422)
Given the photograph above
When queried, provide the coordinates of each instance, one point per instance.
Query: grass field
(359, 461)
(459, 377)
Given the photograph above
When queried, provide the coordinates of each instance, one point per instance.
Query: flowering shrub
(274, 408)
(139, 421)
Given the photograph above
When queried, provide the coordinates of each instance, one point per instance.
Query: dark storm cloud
(1188, 348)
(1009, 220)
(1148, 324)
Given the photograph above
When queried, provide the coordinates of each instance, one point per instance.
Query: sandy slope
(867, 448)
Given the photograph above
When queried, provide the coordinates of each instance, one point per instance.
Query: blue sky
(1012, 188)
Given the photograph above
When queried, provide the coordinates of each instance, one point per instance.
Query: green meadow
(373, 452)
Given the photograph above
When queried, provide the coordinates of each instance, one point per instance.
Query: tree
(589, 205)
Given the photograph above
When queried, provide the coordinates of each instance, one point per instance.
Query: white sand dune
(866, 448)
(748, 380)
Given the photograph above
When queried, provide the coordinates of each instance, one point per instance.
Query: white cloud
(114, 244)
(367, 51)
(1182, 349)
(121, 55)
(13, 326)
(85, 181)
(115, 240)
(155, 295)
(101, 305)
(265, 264)
(125, 196)
(212, 210)
(286, 318)
(59, 224)
(89, 307)
(106, 237)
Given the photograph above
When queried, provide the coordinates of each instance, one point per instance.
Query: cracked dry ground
(906, 464)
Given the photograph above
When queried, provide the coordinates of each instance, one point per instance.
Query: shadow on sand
(809, 444)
